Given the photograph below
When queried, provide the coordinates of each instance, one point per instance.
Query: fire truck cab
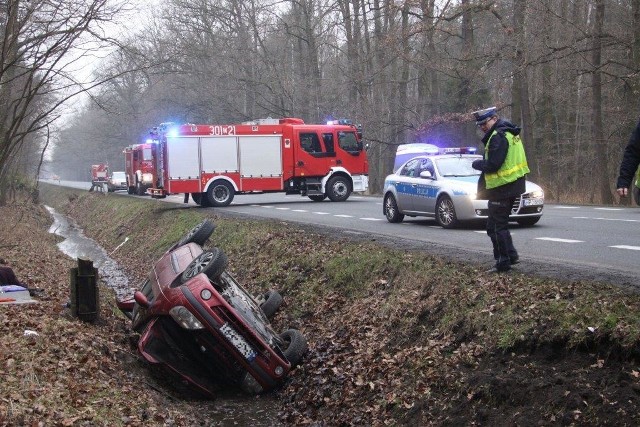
(215, 162)
(139, 166)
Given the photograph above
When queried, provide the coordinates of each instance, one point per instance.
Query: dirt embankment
(395, 337)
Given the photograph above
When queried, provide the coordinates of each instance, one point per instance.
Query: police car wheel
(391, 210)
(446, 212)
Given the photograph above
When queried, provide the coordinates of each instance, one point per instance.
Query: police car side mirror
(426, 174)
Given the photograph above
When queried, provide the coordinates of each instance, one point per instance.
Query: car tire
(220, 194)
(391, 210)
(212, 263)
(295, 346)
(270, 302)
(527, 222)
(446, 212)
(338, 189)
(198, 234)
(140, 190)
(318, 198)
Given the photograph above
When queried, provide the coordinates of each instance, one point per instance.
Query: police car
(441, 184)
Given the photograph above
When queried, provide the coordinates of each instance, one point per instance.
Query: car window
(328, 142)
(427, 165)
(347, 141)
(457, 166)
(411, 168)
(310, 143)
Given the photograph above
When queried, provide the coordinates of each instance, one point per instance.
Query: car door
(424, 200)
(407, 185)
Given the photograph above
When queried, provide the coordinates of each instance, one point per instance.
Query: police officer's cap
(481, 116)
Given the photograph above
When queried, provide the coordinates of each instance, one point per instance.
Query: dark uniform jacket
(630, 160)
(496, 156)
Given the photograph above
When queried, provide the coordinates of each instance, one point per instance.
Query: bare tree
(41, 41)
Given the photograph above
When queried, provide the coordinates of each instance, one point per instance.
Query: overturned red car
(197, 321)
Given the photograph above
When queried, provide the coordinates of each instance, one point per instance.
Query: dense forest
(566, 71)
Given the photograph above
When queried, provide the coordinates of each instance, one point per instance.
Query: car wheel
(270, 302)
(527, 222)
(636, 195)
(391, 210)
(446, 212)
(212, 263)
(220, 194)
(318, 198)
(338, 189)
(198, 234)
(295, 345)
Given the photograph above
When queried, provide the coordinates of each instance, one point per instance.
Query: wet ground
(230, 408)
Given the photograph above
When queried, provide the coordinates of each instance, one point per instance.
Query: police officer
(629, 164)
(502, 180)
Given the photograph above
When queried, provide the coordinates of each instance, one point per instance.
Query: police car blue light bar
(458, 150)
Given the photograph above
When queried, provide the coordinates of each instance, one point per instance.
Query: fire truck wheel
(131, 190)
(295, 345)
(338, 189)
(270, 302)
(197, 198)
(198, 234)
(220, 194)
(140, 190)
(212, 263)
(318, 198)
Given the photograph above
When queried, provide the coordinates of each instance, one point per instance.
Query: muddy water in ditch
(228, 409)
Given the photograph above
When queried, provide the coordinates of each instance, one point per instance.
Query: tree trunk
(598, 134)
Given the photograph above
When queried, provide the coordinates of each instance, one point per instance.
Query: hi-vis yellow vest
(514, 166)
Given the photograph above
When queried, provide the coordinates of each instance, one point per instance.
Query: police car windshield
(457, 166)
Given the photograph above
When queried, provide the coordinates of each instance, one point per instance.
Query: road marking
(633, 248)
(321, 213)
(371, 219)
(298, 210)
(607, 219)
(283, 209)
(566, 207)
(608, 209)
(344, 216)
(266, 206)
(553, 239)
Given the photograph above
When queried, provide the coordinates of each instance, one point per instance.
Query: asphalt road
(592, 243)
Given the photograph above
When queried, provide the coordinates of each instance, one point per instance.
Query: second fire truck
(139, 166)
(212, 163)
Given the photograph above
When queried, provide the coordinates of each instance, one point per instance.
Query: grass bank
(400, 337)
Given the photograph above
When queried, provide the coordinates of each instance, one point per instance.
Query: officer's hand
(477, 164)
(622, 192)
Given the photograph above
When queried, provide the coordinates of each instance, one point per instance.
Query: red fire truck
(215, 162)
(139, 166)
(99, 176)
